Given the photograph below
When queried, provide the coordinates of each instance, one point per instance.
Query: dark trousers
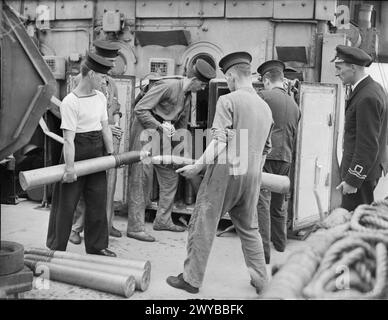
(272, 211)
(66, 196)
(364, 195)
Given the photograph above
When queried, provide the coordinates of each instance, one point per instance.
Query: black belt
(161, 120)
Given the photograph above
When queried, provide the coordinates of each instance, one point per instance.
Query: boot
(179, 283)
(114, 232)
(142, 236)
(75, 237)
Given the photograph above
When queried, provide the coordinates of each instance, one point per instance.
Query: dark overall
(272, 206)
(66, 196)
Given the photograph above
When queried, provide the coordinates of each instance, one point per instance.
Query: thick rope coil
(371, 213)
(374, 222)
(339, 248)
(321, 281)
(365, 272)
(378, 291)
(347, 259)
(324, 283)
(372, 236)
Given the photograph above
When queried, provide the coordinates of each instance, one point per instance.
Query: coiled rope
(355, 265)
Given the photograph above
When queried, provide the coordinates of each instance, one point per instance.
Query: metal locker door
(314, 153)
(126, 97)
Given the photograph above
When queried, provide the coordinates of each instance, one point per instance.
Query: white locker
(314, 153)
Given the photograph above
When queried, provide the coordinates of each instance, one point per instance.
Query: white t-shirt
(83, 114)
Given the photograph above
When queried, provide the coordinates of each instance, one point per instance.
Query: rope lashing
(355, 266)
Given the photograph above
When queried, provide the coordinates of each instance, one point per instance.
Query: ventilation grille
(162, 67)
(57, 66)
(159, 67)
(51, 64)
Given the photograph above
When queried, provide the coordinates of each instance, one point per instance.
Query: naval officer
(365, 151)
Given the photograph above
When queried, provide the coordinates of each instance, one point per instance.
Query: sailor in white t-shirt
(87, 135)
(110, 51)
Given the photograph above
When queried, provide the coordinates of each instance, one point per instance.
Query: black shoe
(260, 283)
(275, 268)
(142, 236)
(280, 248)
(105, 252)
(115, 233)
(179, 283)
(75, 237)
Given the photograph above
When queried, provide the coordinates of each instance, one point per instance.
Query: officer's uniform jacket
(365, 150)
